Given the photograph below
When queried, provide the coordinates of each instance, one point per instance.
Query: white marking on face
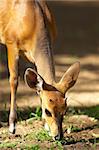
(46, 126)
(40, 83)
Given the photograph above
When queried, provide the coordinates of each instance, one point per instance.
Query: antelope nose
(57, 137)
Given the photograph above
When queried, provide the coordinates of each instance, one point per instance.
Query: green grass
(8, 145)
(73, 128)
(31, 147)
(29, 113)
(38, 114)
(15, 146)
(40, 135)
(59, 145)
(90, 111)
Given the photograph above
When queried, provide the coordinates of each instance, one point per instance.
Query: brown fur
(54, 103)
(28, 27)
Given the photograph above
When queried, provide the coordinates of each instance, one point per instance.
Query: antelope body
(27, 27)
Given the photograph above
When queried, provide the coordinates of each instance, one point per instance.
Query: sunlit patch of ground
(79, 131)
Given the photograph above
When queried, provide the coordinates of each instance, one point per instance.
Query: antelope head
(54, 102)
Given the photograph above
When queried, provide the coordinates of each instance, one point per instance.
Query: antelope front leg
(13, 59)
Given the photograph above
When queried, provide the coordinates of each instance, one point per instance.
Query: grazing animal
(27, 27)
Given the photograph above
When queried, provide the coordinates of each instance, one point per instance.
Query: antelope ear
(33, 80)
(69, 78)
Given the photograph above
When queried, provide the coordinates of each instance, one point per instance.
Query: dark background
(77, 28)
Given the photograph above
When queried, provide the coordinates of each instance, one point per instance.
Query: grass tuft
(37, 115)
(42, 135)
(31, 147)
(59, 145)
(8, 145)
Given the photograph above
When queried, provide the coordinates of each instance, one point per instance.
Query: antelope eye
(48, 113)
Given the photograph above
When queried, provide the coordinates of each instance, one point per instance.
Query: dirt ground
(78, 40)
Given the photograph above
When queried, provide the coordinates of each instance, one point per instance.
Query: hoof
(12, 128)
